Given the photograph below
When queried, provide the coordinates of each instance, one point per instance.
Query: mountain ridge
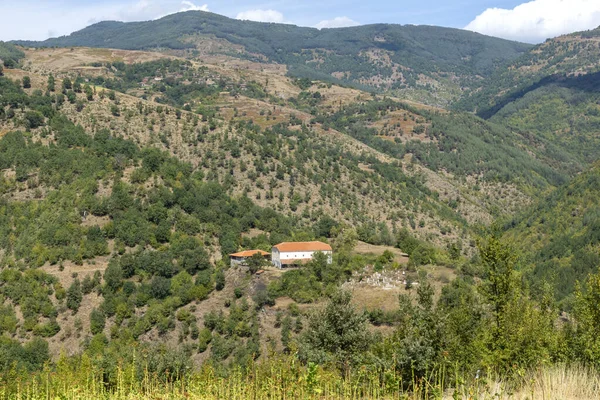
(388, 57)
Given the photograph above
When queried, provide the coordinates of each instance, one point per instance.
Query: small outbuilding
(242, 257)
(298, 253)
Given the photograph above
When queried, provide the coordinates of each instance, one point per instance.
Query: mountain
(425, 62)
(550, 92)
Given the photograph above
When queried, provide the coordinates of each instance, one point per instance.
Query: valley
(453, 174)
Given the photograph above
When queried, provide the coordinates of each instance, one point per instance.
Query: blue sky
(531, 21)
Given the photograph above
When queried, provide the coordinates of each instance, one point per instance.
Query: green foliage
(220, 279)
(51, 83)
(585, 336)
(8, 319)
(74, 296)
(559, 236)
(30, 356)
(10, 54)
(423, 254)
(499, 264)
(97, 321)
(256, 262)
(337, 334)
(463, 144)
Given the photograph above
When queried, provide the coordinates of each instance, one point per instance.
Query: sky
(528, 21)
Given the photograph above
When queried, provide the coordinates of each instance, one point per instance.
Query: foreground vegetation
(282, 378)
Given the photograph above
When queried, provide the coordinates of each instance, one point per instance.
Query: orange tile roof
(286, 247)
(249, 253)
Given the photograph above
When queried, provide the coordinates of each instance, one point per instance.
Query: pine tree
(74, 296)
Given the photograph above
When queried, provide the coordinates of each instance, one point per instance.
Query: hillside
(551, 93)
(271, 153)
(421, 62)
(246, 157)
(560, 235)
(118, 208)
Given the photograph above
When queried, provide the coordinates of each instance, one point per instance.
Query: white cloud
(538, 20)
(262, 16)
(189, 6)
(338, 22)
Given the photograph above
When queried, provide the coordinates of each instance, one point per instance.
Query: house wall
(277, 257)
(234, 261)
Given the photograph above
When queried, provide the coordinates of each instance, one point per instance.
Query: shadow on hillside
(586, 83)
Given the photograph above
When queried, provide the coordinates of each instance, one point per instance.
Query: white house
(297, 253)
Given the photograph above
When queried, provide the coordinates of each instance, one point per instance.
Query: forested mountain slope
(425, 61)
(191, 109)
(552, 93)
(560, 235)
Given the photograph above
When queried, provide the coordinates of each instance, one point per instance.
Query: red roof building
(298, 253)
(241, 257)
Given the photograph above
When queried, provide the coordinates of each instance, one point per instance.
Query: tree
(113, 276)
(204, 339)
(219, 279)
(74, 296)
(318, 265)
(256, 262)
(51, 83)
(66, 84)
(336, 334)
(586, 334)
(160, 287)
(97, 321)
(422, 255)
(88, 92)
(345, 238)
(1, 70)
(416, 345)
(26, 82)
(71, 96)
(286, 328)
(499, 286)
(33, 119)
